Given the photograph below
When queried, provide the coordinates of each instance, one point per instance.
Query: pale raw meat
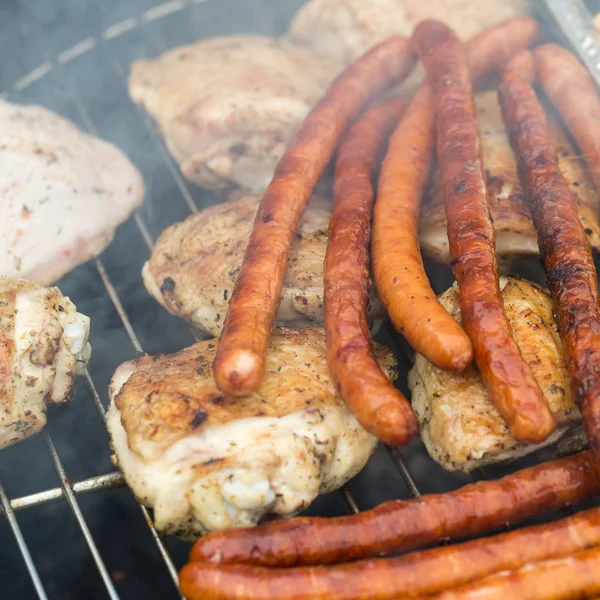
(228, 106)
(64, 193)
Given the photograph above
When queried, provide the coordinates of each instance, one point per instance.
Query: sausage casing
(240, 361)
(564, 247)
(507, 377)
(402, 525)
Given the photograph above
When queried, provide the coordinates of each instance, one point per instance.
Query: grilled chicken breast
(460, 427)
(43, 346)
(64, 193)
(195, 263)
(515, 234)
(228, 106)
(345, 29)
(207, 461)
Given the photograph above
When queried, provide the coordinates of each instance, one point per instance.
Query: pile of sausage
(286, 560)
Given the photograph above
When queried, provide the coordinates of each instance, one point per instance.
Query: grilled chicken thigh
(228, 106)
(460, 427)
(207, 461)
(195, 263)
(43, 346)
(515, 233)
(345, 29)
(64, 193)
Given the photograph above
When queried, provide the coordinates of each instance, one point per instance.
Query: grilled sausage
(402, 525)
(240, 360)
(398, 270)
(564, 247)
(375, 402)
(572, 91)
(572, 577)
(507, 377)
(426, 572)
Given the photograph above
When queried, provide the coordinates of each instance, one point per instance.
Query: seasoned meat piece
(64, 193)
(345, 29)
(43, 346)
(206, 461)
(228, 106)
(195, 263)
(460, 427)
(515, 234)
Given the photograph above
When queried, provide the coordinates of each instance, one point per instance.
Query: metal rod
(14, 525)
(100, 482)
(404, 471)
(72, 500)
(350, 500)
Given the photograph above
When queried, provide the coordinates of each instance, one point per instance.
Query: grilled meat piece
(43, 346)
(515, 234)
(345, 29)
(460, 427)
(206, 461)
(228, 106)
(64, 193)
(195, 263)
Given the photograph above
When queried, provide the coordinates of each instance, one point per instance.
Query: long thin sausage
(571, 89)
(426, 572)
(569, 578)
(564, 247)
(398, 270)
(240, 361)
(375, 402)
(507, 377)
(402, 525)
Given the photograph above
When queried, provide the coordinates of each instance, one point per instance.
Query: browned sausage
(564, 247)
(572, 91)
(240, 361)
(569, 578)
(402, 525)
(397, 265)
(375, 402)
(507, 377)
(426, 572)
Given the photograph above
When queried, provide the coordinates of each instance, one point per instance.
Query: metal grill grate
(67, 491)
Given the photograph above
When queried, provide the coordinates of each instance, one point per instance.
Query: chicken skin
(64, 193)
(43, 346)
(228, 106)
(460, 427)
(195, 263)
(206, 461)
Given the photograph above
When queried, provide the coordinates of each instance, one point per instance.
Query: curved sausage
(240, 361)
(564, 247)
(507, 377)
(375, 402)
(572, 91)
(398, 270)
(426, 572)
(572, 577)
(402, 525)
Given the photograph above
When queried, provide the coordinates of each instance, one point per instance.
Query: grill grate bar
(404, 470)
(100, 482)
(74, 505)
(350, 500)
(23, 549)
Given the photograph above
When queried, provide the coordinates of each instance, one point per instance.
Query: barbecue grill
(70, 529)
